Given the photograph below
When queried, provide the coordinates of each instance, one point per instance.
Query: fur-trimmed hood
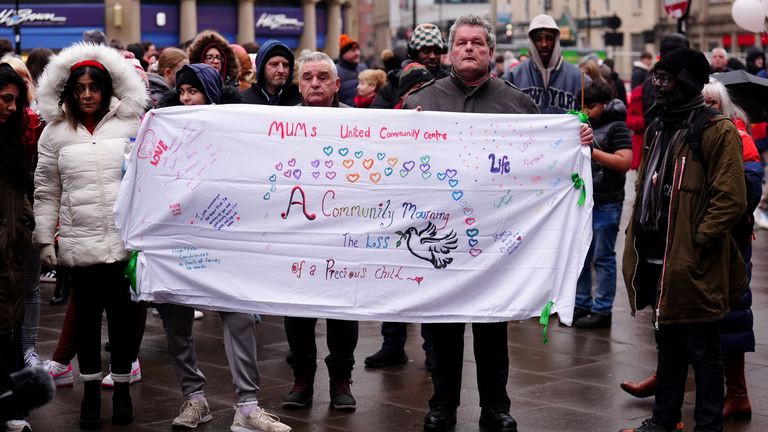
(127, 86)
(230, 69)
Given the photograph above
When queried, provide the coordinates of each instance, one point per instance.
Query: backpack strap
(704, 118)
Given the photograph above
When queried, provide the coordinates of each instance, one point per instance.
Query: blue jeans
(605, 227)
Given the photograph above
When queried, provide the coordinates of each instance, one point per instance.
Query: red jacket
(636, 122)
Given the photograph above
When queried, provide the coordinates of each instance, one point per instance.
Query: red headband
(88, 63)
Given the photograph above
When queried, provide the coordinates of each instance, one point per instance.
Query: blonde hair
(170, 58)
(18, 65)
(377, 77)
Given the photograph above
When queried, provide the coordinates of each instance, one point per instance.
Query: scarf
(667, 139)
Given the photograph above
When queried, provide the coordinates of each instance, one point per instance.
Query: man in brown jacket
(679, 256)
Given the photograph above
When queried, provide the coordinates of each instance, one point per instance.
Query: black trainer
(300, 395)
(385, 358)
(593, 321)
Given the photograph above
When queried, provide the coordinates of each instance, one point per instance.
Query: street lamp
(17, 29)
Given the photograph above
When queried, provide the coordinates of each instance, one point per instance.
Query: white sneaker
(258, 421)
(17, 426)
(31, 359)
(62, 374)
(192, 413)
(761, 218)
(48, 276)
(108, 382)
(198, 314)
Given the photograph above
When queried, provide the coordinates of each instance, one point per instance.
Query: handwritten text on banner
(357, 214)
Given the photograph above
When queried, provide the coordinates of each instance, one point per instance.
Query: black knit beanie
(412, 74)
(188, 76)
(689, 66)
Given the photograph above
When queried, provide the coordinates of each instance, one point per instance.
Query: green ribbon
(544, 320)
(583, 117)
(130, 270)
(578, 183)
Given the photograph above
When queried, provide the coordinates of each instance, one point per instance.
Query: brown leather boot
(640, 389)
(736, 399)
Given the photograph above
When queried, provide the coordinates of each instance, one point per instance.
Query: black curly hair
(14, 165)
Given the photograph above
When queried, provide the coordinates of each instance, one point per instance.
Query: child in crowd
(370, 81)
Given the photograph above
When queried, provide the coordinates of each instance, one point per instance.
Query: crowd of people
(68, 120)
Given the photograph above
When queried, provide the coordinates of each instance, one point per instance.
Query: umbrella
(750, 92)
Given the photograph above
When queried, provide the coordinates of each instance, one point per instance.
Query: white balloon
(748, 15)
(765, 7)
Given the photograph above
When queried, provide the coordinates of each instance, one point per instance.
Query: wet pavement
(571, 384)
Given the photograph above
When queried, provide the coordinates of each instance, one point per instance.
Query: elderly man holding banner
(471, 88)
(319, 87)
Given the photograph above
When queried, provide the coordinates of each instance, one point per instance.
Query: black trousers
(341, 339)
(491, 356)
(396, 333)
(99, 288)
(698, 344)
(11, 360)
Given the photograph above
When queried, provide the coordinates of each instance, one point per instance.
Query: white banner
(358, 213)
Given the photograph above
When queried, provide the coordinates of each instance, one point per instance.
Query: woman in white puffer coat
(93, 100)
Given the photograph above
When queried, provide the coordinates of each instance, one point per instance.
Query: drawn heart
(424, 167)
(426, 175)
(316, 174)
(329, 163)
(288, 173)
(472, 242)
(330, 175)
(387, 171)
(468, 211)
(404, 173)
(392, 161)
(272, 178)
(368, 163)
(375, 177)
(267, 196)
(315, 163)
(441, 176)
(470, 221)
(418, 279)
(292, 162)
(297, 173)
(380, 156)
(348, 163)
(353, 177)
(453, 182)
(358, 154)
(279, 166)
(327, 150)
(409, 165)
(425, 159)
(463, 203)
(343, 151)
(475, 252)
(473, 232)
(457, 195)
(450, 172)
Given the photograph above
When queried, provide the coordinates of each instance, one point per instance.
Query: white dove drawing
(427, 245)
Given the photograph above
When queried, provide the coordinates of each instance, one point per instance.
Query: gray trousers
(239, 345)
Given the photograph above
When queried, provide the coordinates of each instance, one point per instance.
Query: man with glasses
(679, 256)
(553, 83)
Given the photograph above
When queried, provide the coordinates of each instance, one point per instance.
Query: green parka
(700, 279)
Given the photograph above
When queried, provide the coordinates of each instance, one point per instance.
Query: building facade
(310, 24)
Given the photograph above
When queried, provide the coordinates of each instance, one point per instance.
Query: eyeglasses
(212, 57)
(662, 80)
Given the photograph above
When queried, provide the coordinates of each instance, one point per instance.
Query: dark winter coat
(700, 279)
(16, 225)
(348, 74)
(610, 135)
(495, 96)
